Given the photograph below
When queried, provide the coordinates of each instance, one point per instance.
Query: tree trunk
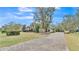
(46, 30)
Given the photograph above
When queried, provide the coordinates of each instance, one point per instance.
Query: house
(26, 28)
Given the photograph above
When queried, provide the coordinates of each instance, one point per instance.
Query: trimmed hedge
(3, 31)
(9, 33)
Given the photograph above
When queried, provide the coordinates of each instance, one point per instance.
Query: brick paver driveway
(53, 42)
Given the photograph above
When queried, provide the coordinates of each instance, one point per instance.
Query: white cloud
(24, 17)
(29, 17)
(10, 15)
(57, 8)
(25, 9)
(21, 13)
(31, 14)
(18, 13)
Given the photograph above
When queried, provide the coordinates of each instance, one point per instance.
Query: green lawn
(73, 41)
(11, 40)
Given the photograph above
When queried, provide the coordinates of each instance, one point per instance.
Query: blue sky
(60, 12)
(24, 15)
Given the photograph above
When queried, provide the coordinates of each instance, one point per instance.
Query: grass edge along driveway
(12, 40)
(73, 41)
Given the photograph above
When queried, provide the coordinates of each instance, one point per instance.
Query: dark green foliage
(10, 33)
(3, 31)
(37, 28)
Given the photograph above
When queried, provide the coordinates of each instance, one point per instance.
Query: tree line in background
(43, 23)
(70, 23)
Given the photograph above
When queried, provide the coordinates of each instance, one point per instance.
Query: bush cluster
(9, 33)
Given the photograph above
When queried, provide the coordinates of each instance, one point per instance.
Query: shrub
(9, 33)
(37, 28)
(72, 31)
(3, 31)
